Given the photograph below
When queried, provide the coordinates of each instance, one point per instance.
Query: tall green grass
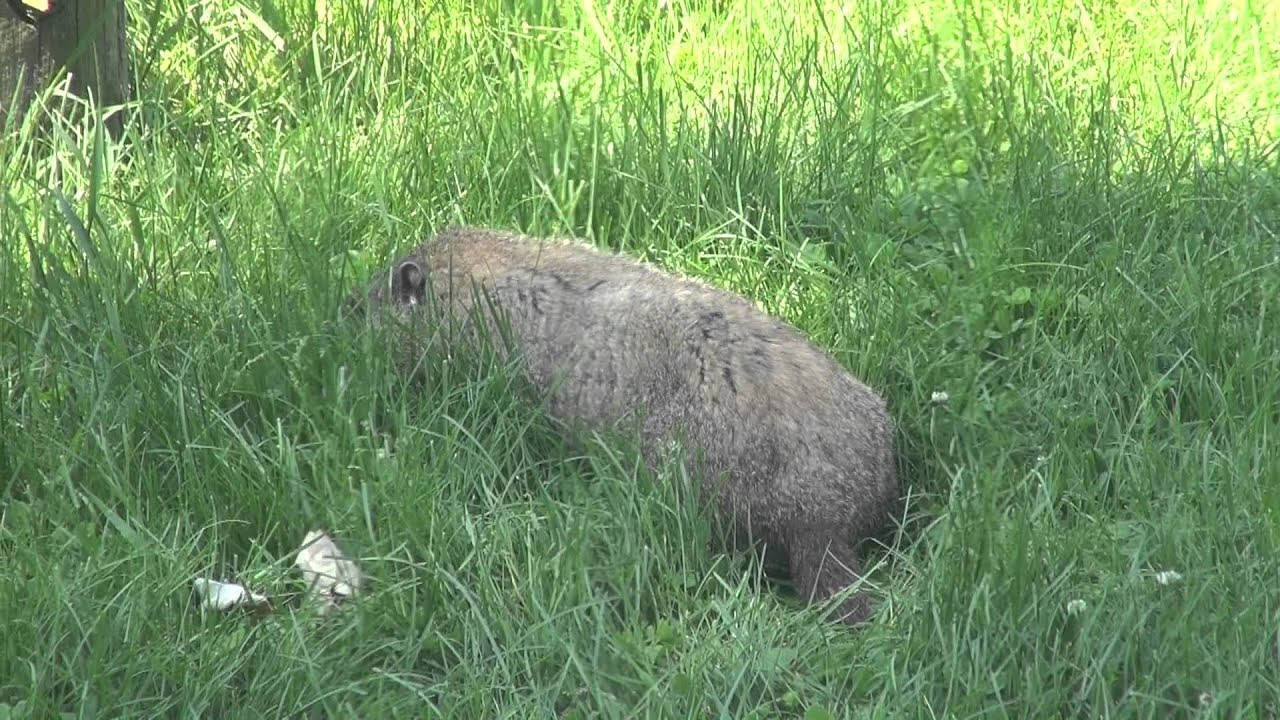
(1065, 217)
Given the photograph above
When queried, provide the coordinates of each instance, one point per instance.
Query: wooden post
(88, 37)
(22, 66)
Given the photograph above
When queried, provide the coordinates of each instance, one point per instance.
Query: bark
(22, 66)
(87, 37)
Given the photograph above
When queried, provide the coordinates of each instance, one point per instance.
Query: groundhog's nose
(354, 306)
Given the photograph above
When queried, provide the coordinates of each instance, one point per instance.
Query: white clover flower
(1168, 577)
(1077, 606)
(939, 397)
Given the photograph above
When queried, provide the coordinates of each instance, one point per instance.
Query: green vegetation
(1065, 216)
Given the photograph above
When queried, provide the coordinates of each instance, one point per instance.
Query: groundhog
(791, 450)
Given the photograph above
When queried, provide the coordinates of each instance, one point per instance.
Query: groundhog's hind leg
(823, 563)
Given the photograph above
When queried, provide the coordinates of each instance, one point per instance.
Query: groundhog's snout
(405, 287)
(366, 299)
(355, 305)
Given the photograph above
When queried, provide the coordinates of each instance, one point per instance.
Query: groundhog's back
(711, 357)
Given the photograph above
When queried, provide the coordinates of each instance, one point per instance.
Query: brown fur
(800, 453)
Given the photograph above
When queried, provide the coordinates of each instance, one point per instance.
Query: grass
(1066, 217)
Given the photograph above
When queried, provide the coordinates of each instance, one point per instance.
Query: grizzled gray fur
(795, 451)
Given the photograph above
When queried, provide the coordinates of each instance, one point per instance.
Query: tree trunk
(22, 66)
(87, 37)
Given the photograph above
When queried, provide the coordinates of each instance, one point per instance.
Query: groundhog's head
(400, 290)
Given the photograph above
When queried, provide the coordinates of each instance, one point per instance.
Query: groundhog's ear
(411, 285)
